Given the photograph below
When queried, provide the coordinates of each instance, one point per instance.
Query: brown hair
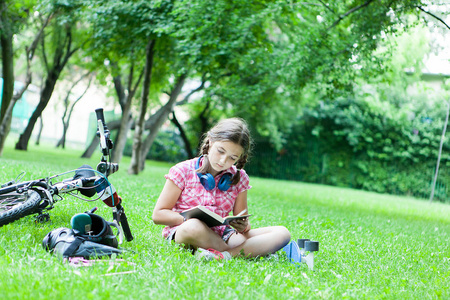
(233, 130)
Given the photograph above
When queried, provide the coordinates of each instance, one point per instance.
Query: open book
(211, 218)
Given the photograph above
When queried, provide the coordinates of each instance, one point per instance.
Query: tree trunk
(6, 41)
(8, 73)
(204, 117)
(159, 118)
(92, 146)
(187, 144)
(46, 93)
(137, 140)
(5, 126)
(62, 140)
(113, 125)
(127, 118)
(41, 127)
(61, 56)
(68, 110)
(123, 128)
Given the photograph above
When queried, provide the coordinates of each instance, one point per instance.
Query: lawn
(372, 246)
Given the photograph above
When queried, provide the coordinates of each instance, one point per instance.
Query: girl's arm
(162, 213)
(240, 205)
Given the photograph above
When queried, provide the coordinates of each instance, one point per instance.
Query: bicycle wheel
(14, 206)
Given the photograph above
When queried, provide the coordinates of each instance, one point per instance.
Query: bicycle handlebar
(79, 184)
(119, 215)
(101, 117)
(107, 168)
(103, 133)
(86, 180)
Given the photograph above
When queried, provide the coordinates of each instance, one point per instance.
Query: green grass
(372, 246)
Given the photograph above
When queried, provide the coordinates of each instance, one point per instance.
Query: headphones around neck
(208, 181)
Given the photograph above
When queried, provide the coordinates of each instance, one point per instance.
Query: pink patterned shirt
(193, 193)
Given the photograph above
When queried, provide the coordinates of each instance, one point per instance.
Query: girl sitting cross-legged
(224, 152)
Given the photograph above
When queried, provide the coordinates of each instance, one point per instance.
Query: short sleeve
(177, 175)
(244, 182)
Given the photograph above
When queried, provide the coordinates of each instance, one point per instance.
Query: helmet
(57, 236)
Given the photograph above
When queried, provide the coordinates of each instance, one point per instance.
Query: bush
(168, 146)
(361, 144)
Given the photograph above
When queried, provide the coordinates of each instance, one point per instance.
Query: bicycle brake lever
(103, 143)
(8, 183)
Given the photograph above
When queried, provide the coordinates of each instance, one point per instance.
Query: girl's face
(222, 155)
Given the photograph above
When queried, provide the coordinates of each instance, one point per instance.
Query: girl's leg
(256, 242)
(259, 242)
(196, 234)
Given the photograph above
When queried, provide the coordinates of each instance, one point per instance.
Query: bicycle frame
(47, 190)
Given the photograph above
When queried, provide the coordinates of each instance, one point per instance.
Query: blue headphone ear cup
(224, 182)
(208, 181)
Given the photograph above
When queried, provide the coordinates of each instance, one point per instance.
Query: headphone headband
(208, 181)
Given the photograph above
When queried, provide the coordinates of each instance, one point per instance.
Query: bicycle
(20, 199)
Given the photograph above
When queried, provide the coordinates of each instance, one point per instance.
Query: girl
(224, 152)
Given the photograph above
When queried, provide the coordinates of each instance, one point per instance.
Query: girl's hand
(240, 224)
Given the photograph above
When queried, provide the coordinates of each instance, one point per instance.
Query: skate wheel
(301, 242)
(311, 246)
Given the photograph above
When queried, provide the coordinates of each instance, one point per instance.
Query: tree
(69, 106)
(184, 137)
(66, 37)
(6, 39)
(137, 142)
(302, 43)
(13, 16)
(155, 122)
(122, 31)
(204, 47)
(125, 32)
(383, 135)
(256, 56)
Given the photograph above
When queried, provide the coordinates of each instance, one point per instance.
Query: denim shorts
(225, 236)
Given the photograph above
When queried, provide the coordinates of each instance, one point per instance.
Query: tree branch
(66, 99)
(133, 91)
(44, 53)
(82, 94)
(29, 52)
(186, 99)
(327, 7)
(341, 17)
(131, 75)
(434, 16)
(33, 46)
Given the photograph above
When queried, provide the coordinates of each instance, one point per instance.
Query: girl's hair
(231, 130)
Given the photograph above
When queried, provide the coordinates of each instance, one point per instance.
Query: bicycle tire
(14, 206)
